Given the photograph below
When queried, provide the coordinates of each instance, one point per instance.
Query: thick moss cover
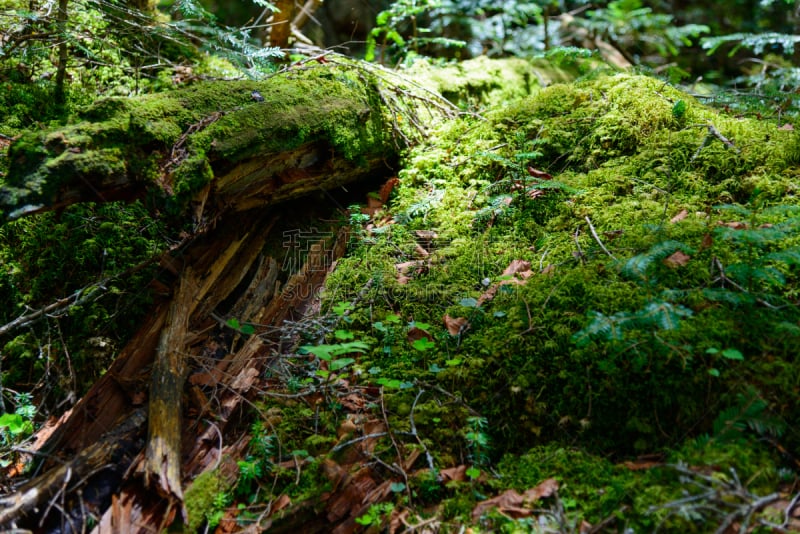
(610, 338)
(139, 140)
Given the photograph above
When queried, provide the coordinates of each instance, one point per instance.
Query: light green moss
(199, 499)
(224, 124)
(621, 159)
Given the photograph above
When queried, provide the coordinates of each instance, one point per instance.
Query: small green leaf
(390, 383)
(712, 350)
(473, 472)
(247, 329)
(452, 363)
(392, 318)
(233, 322)
(499, 314)
(732, 354)
(341, 363)
(343, 335)
(397, 487)
(423, 344)
(679, 109)
(435, 368)
(713, 372)
(341, 308)
(469, 302)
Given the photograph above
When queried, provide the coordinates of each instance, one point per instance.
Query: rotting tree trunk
(230, 146)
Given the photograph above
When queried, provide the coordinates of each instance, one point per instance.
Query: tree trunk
(63, 53)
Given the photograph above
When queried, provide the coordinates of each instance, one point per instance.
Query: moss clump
(201, 499)
(608, 340)
(484, 82)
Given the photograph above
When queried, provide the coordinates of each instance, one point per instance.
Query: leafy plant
(375, 514)
(259, 460)
(401, 18)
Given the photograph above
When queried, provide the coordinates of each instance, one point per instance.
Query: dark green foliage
(87, 253)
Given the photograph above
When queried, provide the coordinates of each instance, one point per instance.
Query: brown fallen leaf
(513, 504)
(679, 217)
(736, 225)
(517, 266)
(453, 474)
(787, 127)
(387, 188)
(677, 259)
(708, 240)
(544, 489)
(536, 173)
(415, 334)
(280, 503)
(455, 325)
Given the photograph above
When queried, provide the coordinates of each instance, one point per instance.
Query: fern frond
(601, 326)
(757, 42)
(636, 267)
(663, 314)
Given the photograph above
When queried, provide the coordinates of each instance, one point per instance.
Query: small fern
(637, 268)
(749, 413)
(656, 315)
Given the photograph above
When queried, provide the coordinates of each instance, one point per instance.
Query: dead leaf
(397, 520)
(406, 266)
(455, 325)
(545, 489)
(641, 465)
(453, 474)
(513, 504)
(679, 217)
(535, 193)
(415, 334)
(736, 225)
(536, 173)
(374, 203)
(387, 188)
(549, 270)
(517, 266)
(677, 259)
(708, 240)
(346, 429)
(280, 503)
(787, 127)
(421, 252)
(488, 294)
(402, 279)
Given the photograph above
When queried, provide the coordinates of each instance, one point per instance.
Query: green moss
(621, 160)
(200, 499)
(331, 106)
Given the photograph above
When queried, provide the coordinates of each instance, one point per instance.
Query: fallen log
(232, 145)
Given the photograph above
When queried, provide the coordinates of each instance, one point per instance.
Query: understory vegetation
(572, 308)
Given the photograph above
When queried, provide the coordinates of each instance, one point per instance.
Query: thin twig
(597, 238)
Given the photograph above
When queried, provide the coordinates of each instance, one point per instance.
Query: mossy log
(232, 145)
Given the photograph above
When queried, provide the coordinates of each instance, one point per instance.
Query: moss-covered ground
(593, 282)
(599, 272)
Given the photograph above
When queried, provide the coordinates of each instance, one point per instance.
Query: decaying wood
(178, 449)
(162, 467)
(111, 451)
